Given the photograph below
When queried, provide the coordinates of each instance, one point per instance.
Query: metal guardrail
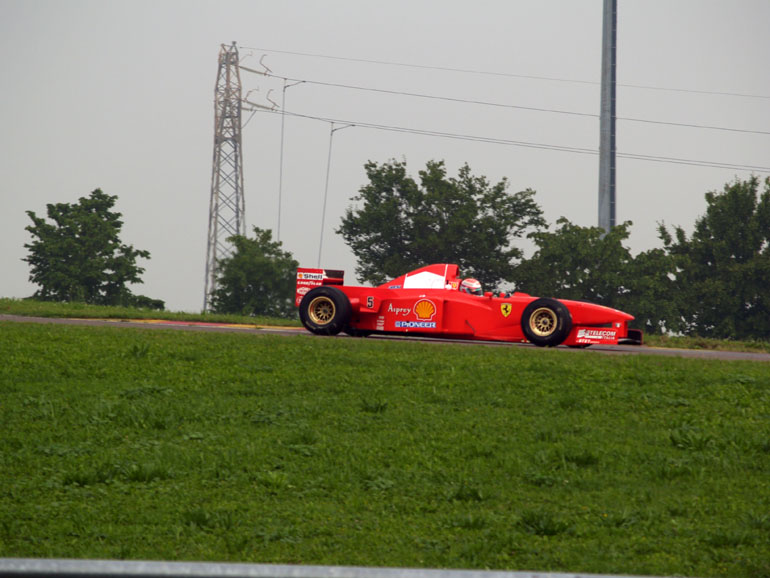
(50, 568)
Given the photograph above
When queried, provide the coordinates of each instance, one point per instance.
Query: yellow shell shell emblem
(424, 309)
(505, 309)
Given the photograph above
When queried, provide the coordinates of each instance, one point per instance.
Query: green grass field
(30, 307)
(154, 444)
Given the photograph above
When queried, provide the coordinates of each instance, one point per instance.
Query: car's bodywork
(428, 302)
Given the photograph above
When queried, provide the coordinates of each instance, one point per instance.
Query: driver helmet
(471, 286)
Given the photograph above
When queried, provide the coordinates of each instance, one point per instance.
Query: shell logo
(424, 309)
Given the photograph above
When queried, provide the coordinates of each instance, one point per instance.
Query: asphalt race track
(154, 324)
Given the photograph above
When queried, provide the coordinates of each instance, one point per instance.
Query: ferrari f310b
(434, 301)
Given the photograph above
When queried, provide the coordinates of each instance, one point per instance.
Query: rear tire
(325, 311)
(546, 322)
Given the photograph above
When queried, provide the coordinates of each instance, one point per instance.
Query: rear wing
(308, 279)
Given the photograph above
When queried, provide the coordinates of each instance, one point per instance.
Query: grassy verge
(34, 308)
(705, 343)
(242, 447)
(30, 307)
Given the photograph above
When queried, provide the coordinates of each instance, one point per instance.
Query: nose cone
(592, 314)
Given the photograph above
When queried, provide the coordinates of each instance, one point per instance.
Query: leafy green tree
(723, 270)
(401, 224)
(577, 263)
(653, 297)
(257, 279)
(584, 263)
(79, 255)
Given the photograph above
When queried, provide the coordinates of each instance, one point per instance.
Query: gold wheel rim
(543, 322)
(321, 310)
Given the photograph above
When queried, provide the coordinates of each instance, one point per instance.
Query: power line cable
(421, 66)
(693, 125)
(505, 74)
(431, 96)
(442, 134)
(511, 106)
(524, 144)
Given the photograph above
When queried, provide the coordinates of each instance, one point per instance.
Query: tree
(258, 279)
(401, 225)
(80, 257)
(577, 263)
(723, 270)
(585, 263)
(654, 298)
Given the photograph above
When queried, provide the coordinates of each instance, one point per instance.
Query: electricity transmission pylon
(226, 207)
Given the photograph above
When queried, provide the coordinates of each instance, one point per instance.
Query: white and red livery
(428, 302)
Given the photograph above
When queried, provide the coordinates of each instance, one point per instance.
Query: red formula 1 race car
(428, 302)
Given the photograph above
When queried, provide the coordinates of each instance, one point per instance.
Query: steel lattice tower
(227, 207)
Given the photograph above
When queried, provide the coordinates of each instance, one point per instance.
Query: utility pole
(332, 130)
(280, 162)
(226, 207)
(607, 117)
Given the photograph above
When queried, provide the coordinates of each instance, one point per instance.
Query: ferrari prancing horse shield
(505, 309)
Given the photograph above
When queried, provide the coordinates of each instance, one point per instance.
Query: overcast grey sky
(119, 96)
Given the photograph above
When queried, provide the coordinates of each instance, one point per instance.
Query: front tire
(325, 311)
(546, 322)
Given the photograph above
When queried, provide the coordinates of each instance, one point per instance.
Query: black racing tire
(546, 322)
(325, 311)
